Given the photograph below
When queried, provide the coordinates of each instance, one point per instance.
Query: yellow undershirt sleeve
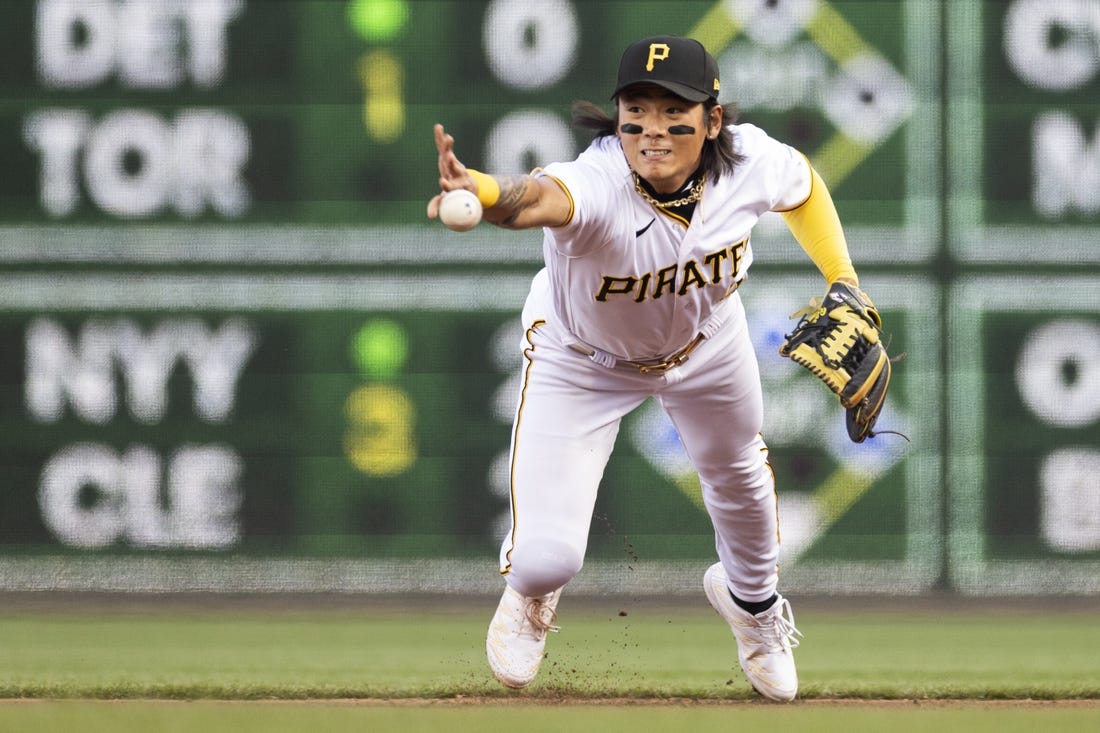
(816, 226)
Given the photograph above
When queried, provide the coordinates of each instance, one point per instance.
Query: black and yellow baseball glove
(838, 339)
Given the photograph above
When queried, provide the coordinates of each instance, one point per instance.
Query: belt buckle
(664, 366)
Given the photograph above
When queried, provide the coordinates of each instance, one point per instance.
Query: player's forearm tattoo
(513, 191)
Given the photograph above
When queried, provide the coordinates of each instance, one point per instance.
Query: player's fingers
(433, 206)
(456, 182)
(445, 145)
(443, 142)
(452, 173)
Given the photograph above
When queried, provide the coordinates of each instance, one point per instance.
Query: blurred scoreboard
(286, 429)
(293, 111)
(1023, 236)
(320, 111)
(1023, 150)
(233, 346)
(1024, 471)
(270, 417)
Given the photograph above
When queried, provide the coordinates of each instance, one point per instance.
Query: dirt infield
(612, 702)
(460, 701)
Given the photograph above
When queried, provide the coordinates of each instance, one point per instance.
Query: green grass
(122, 666)
(256, 652)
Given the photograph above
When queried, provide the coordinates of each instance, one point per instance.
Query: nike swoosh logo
(644, 229)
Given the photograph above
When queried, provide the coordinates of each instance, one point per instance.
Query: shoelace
(783, 625)
(540, 617)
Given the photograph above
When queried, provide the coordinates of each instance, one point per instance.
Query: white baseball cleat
(517, 636)
(764, 641)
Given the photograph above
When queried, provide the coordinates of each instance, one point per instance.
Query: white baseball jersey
(639, 284)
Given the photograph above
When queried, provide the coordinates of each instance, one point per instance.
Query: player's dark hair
(718, 155)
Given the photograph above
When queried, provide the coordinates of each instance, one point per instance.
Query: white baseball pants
(566, 422)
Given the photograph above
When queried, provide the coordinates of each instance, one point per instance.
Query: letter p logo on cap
(657, 52)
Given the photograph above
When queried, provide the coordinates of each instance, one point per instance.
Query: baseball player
(646, 241)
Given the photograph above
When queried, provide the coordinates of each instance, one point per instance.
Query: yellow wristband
(488, 190)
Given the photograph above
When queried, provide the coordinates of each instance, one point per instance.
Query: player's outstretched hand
(452, 173)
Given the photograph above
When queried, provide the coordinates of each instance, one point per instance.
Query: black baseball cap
(680, 65)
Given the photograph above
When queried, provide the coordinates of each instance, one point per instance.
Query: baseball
(460, 210)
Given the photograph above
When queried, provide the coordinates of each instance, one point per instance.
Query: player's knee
(542, 566)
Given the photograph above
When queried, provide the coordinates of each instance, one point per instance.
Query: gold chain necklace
(694, 194)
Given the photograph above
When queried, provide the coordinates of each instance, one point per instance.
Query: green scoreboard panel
(292, 111)
(1025, 464)
(1023, 108)
(326, 418)
(1023, 143)
(320, 111)
(317, 433)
